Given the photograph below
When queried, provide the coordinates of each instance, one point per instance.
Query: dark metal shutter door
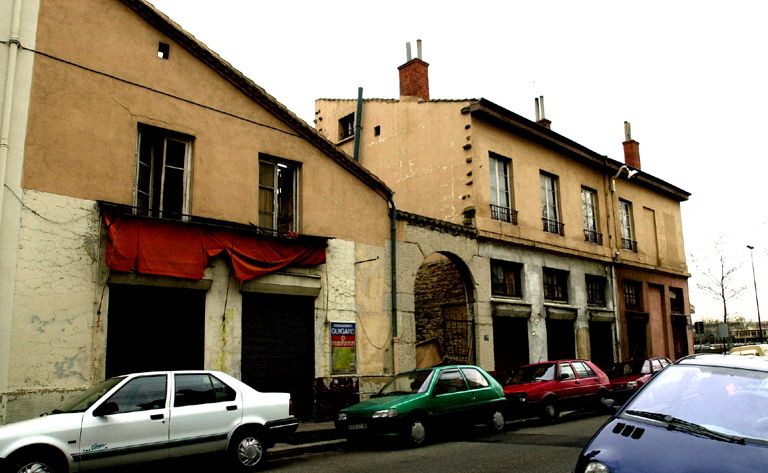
(510, 344)
(278, 351)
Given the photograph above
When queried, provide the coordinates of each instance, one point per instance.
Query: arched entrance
(443, 311)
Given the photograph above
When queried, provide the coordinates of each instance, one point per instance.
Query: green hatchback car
(414, 403)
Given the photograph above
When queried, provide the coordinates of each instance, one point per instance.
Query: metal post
(757, 301)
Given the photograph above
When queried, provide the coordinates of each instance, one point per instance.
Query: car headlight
(385, 413)
(342, 416)
(596, 467)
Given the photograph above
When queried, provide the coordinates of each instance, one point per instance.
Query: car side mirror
(106, 409)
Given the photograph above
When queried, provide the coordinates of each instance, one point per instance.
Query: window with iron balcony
(627, 226)
(501, 194)
(589, 211)
(550, 207)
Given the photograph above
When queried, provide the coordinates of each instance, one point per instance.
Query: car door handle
(231, 408)
(156, 416)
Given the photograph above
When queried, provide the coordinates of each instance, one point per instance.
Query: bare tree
(717, 276)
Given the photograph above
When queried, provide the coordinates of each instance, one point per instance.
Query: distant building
(579, 255)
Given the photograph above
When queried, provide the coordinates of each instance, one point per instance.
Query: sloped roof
(163, 23)
(489, 111)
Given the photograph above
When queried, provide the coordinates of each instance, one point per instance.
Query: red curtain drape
(178, 250)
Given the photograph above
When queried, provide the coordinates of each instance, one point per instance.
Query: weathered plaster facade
(72, 146)
(437, 154)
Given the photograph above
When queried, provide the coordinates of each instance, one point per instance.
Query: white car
(151, 416)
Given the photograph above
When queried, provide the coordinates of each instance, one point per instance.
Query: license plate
(358, 426)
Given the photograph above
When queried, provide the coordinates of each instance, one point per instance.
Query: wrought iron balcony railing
(628, 244)
(553, 226)
(593, 237)
(505, 214)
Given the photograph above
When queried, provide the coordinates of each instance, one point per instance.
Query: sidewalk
(310, 437)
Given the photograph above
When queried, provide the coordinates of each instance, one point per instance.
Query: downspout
(5, 121)
(358, 121)
(393, 261)
(614, 250)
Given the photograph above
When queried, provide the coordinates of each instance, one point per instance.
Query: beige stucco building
(160, 210)
(577, 255)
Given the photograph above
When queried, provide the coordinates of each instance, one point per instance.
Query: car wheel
(497, 422)
(35, 463)
(247, 451)
(549, 411)
(416, 434)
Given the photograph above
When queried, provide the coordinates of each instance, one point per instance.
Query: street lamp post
(757, 301)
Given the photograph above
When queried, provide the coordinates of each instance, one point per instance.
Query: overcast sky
(690, 76)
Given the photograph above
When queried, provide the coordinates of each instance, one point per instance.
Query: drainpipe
(609, 185)
(393, 262)
(358, 120)
(5, 121)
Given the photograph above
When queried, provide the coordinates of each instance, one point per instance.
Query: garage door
(510, 344)
(279, 347)
(561, 339)
(601, 343)
(154, 328)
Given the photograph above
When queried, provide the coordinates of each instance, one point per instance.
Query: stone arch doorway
(443, 300)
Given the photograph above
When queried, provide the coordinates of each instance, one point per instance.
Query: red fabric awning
(179, 250)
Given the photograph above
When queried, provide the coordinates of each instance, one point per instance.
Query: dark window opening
(377, 130)
(555, 285)
(596, 290)
(505, 279)
(347, 126)
(632, 295)
(676, 303)
(163, 50)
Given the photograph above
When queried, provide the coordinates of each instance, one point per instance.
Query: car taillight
(290, 406)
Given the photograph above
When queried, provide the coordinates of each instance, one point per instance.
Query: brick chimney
(631, 149)
(414, 78)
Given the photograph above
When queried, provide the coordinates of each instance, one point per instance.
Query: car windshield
(628, 368)
(531, 373)
(727, 401)
(408, 383)
(86, 400)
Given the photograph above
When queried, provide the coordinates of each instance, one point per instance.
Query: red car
(627, 376)
(545, 389)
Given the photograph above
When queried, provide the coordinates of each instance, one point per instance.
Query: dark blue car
(703, 414)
